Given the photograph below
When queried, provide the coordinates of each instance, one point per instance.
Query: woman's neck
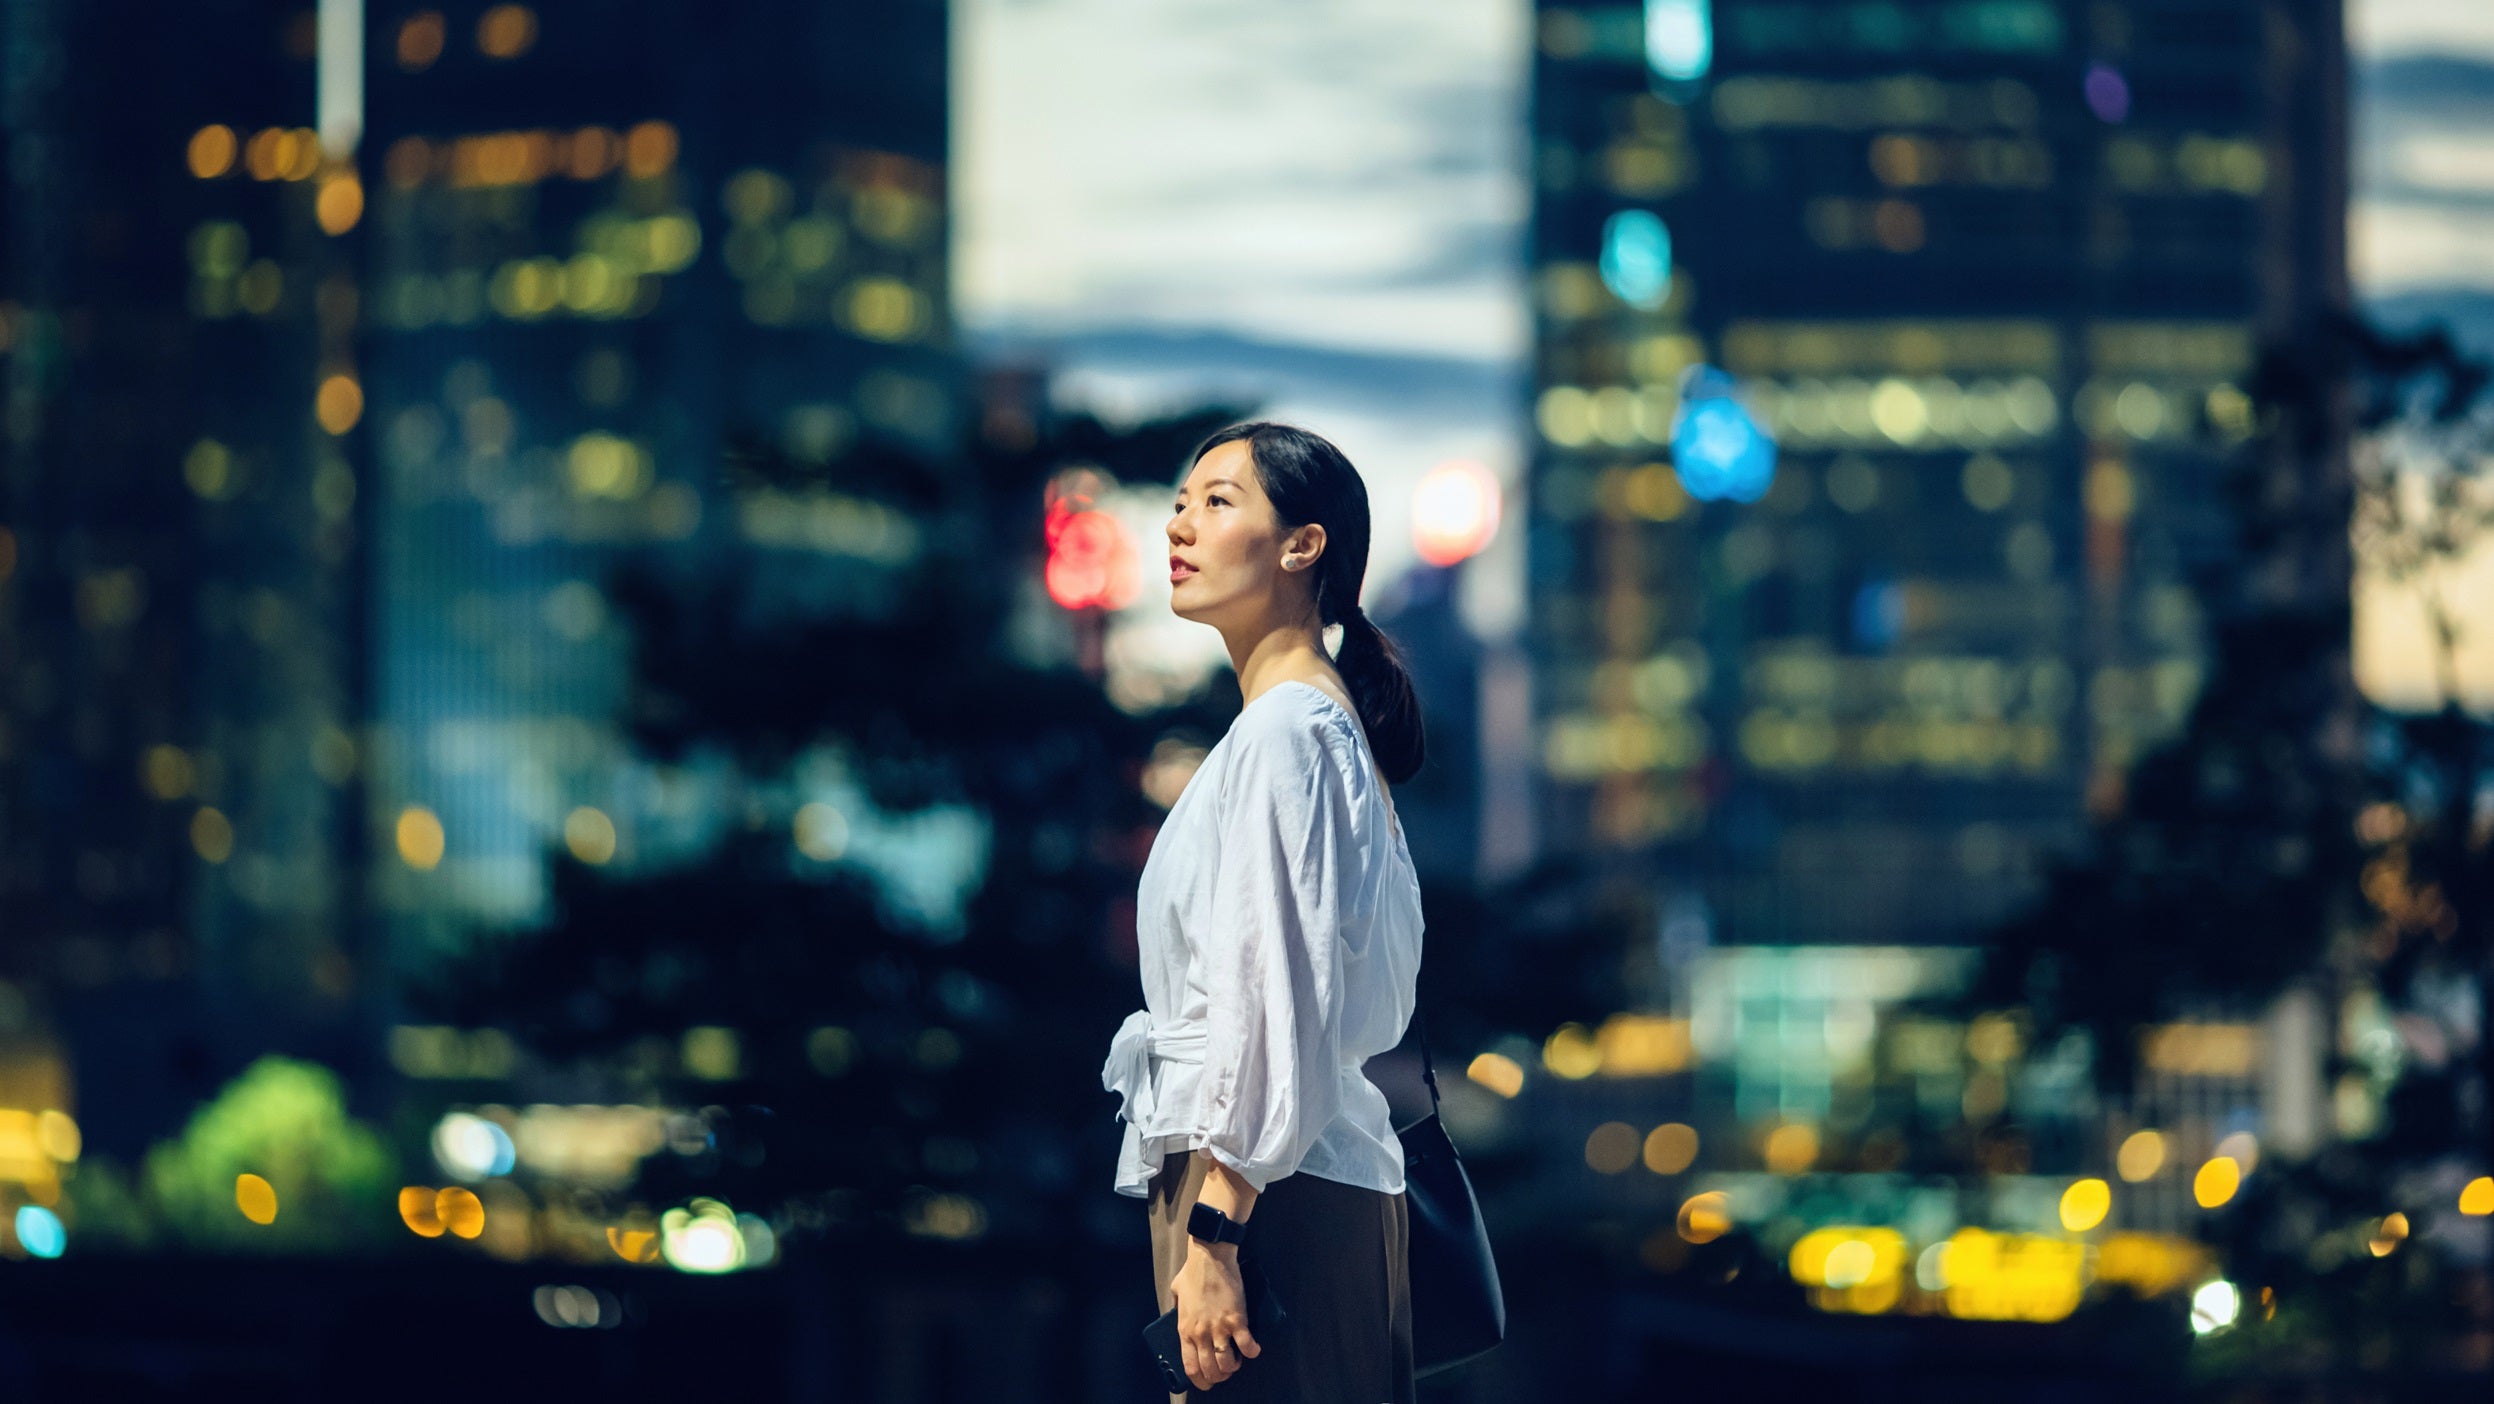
(1276, 656)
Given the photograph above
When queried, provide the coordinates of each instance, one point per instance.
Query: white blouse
(1278, 921)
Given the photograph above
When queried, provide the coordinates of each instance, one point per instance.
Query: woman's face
(1226, 546)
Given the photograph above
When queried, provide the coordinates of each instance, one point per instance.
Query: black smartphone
(1265, 1318)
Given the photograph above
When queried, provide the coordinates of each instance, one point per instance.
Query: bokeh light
(1612, 1147)
(416, 1210)
(2216, 1182)
(2476, 1198)
(2141, 1156)
(1670, 1148)
(1454, 512)
(2388, 1233)
(471, 1147)
(2084, 1205)
(39, 1231)
(1636, 259)
(1497, 1072)
(702, 1237)
(460, 1211)
(1792, 1148)
(2215, 1306)
(1718, 448)
(1706, 1217)
(256, 1198)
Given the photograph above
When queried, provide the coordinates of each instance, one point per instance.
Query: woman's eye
(1214, 499)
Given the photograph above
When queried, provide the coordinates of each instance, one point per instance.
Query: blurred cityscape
(577, 735)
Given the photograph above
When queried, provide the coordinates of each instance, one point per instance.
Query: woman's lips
(1179, 571)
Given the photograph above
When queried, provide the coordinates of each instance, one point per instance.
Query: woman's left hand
(1212, 1314)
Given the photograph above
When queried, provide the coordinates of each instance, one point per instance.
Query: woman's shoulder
(1290, 737)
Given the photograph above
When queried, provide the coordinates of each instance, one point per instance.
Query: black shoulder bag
(1458, 1311)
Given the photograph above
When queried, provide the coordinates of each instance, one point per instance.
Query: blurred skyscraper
(604, 243)
(1991, 274)
(348, 349)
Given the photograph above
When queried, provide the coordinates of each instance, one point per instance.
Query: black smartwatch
(1211, 1225)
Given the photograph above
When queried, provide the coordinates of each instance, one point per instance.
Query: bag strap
(1428, 1067)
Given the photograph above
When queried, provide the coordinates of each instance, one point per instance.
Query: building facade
(1993, 276)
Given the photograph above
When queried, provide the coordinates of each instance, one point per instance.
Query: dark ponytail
(1309, 480)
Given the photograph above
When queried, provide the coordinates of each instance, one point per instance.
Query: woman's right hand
(1212, 1313)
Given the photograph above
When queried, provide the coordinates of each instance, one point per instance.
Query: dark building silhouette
(1992, 274)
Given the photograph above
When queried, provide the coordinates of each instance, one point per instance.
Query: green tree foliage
(286, 1122)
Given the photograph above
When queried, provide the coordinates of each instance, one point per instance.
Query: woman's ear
(1301, 548)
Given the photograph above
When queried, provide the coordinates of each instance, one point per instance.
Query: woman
(1279, 925)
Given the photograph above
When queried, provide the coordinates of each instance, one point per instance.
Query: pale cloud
(2397, 246)
(2384, 28)
(1345, 175)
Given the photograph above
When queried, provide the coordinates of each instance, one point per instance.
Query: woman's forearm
(1224, 1189)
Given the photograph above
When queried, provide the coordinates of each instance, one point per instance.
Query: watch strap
(1211, 1225)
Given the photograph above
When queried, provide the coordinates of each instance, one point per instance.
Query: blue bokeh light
(1679, 39)
(39, 1231)
(1636, 258)
(1717, 446)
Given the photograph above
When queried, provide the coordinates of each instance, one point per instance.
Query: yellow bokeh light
(2388, 1235)
(212, 835)
(1612, 1147)
(2477, 1199)
(460, 1211)
(1850, 1269)
(649, 148)
(2217, 1181)
(633, 1245)
(420, 838)
(1670, 1148)
(1706, 1217)
(256, 1198)
(57, 1135)
(1792, 1148)
(340, 204)
(1571, 1052)
(340, 403)
(1497, 1072)
(590, 835)
(2084, 1205)
(2141, 1156)
(212, 151)
(420, 40)
(506, 31)
(416, 1209)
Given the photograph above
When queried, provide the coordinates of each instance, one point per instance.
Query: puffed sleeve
(1272, 957)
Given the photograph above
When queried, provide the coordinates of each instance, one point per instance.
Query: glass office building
(602, 246)
(1990, 276)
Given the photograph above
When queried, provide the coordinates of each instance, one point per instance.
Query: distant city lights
(702, 1237)
(2141, 1156)
(1679, 39)
(1455, 512)
(2108, 92)
(39, 1231)
(2216, 1182)
(256, 1198)
(1093, 562)
(470, 1147)
(2476, 1200)
(2215, 1306)
(2084, 1205)
(1636, 258)
(1718, 448)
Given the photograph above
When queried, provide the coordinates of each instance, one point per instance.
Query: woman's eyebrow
(1214, 483)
